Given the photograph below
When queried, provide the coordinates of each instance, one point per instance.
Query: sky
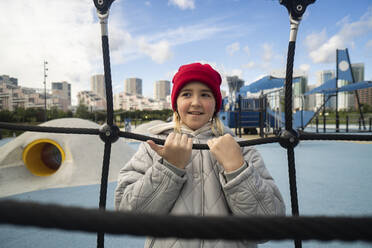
(152, 39)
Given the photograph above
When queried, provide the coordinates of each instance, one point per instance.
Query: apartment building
(13, 96)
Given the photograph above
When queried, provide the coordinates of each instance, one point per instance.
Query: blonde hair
(217, 126)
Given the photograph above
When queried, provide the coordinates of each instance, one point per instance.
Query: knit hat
(197, 72)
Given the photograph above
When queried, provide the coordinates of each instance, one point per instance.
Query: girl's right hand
(176, 150)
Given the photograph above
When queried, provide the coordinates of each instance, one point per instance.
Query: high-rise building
(133, 86)
(299, 88)
(365, 95)
(161, 89)
(346, 100)
(97, 85)
(358, 72)
(5, 79)
(13, 96)
(310, 100)
(322, 77)
(62, 90)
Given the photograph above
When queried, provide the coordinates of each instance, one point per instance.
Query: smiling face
(195, 105)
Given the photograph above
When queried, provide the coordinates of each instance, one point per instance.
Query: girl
(174, 179)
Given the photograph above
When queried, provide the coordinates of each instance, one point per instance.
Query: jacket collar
(205, 130)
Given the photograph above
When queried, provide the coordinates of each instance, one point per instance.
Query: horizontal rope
(316, 136)
(46, 129)
(129, 135)
(199, 146)
(135, 136)
(188, 227)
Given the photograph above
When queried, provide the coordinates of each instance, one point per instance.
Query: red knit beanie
(197, 72)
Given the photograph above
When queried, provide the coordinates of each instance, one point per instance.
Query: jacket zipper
(202, 191)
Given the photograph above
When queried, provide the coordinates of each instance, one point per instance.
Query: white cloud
(369, 44)
(158, 46)
(315, 40)
(69, 40)
(323, 51)
(305, 67)
(191, 33)
(236, 72)
(159, 52)
(183, 4)
(268, 53)
(233, 48)
(249, 65)
(247, 50)
(148, 3)
(368, 48)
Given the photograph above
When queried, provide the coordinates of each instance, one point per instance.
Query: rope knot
(289, 138)
(109, 133)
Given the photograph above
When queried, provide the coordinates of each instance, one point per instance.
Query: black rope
(45, 129)
(109, 137)
(128, 135)
(107, 69)
(187, 227)
(347, 137)
(243, 143)
(292, 181)
(103, 190)
(293, 187)
(289, 128)
(135, 136)
(288, 86)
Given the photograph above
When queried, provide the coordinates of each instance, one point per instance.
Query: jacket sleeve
(253, 191)
(147, 185)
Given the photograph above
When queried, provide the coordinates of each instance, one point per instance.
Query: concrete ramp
(35, 161)
(143, 128)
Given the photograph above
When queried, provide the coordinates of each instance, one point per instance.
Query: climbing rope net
(100, 221)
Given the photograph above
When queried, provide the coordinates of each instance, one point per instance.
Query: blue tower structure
(248, 108)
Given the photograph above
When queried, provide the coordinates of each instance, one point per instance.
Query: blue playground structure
(241, 111)
(248, 108)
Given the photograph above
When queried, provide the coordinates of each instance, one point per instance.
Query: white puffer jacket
(149, 184)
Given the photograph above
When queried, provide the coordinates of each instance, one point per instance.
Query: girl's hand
(176, 150)
(227, 152)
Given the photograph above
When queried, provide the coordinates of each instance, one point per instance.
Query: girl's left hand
(227, 152)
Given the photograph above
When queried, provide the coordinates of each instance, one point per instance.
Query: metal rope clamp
(103, 5)
(109, 133)
(296, 8)
(289, 138)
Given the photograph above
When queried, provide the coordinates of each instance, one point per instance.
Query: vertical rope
(109, 111)
(288, 86)
(289, 127)
(107, 69)
(103, 190)
(292, 181)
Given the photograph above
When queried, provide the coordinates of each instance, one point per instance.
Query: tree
(82, 112)
(6, 116)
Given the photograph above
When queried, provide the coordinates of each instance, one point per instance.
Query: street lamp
(45, 76)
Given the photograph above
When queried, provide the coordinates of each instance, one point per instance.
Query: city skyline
(151, 39)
